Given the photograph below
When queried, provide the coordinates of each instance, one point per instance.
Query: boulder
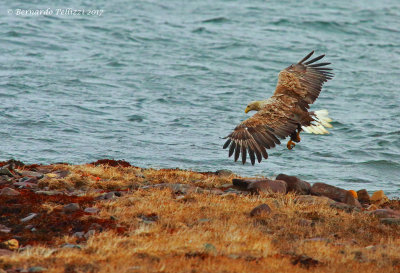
(379, 197)
(332, 192)
(259, 210)
(350, 200)
(260, 185)
(295, 184)
(363, 196)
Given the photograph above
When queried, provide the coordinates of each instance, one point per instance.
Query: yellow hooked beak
(247, 110)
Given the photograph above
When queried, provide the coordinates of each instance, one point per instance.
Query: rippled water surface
(157, 83)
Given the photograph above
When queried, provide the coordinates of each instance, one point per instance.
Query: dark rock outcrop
(295, 184)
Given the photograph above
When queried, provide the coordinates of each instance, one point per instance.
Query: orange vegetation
(157, 229)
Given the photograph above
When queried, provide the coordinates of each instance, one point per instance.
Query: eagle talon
(290, 144)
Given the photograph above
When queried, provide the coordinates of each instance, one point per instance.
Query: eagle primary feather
(299, 85)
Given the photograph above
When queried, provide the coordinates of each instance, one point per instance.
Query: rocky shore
(109, 216)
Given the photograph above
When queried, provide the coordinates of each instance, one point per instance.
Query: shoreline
(109, 215)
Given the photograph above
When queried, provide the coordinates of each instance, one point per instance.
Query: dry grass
(200, 232)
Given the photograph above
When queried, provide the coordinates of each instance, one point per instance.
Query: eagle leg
(290, 144)
(294, 137)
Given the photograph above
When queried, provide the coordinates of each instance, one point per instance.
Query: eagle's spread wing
(260, 132)
(303, 81)
(298, 86)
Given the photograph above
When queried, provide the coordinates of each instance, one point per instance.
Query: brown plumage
(299, 85)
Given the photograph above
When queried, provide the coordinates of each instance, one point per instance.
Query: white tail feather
(321, 120)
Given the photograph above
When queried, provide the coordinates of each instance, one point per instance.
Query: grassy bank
(152, 222)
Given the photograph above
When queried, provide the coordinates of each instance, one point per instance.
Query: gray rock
(71, 246)
(79, 234)
(4, 229)
(29, 217)
(71, 207)
(9, 192)
(5, 171)
(46, 192)
(260, 210)
(295, 184)
(32, 174)
(224, 172)
(89, 234)
(91, 210)
(210, 247)
(37, 269)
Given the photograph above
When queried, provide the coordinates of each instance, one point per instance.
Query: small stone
(37, 269)
(379, 197)
(4, 229)
(10, 244)
(50, 193)
(295, 184)
(109, 196)
(25, 185)
(363, 196)
(204, 220)
(79, 234)
(71, 207)
(260, 210)
(9, 192)
(390, 221)
(385, 213)
(89, 234)
(210, 248)
(224, 172)
(305, 223)
(32, 174)
(71, 246)
(6, 171)
(29, 217)
(91, 210)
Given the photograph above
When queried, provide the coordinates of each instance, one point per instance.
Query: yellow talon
(290, 144)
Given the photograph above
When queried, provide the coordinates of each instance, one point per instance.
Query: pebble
(71, 246)
(10, 244)
(37, 269)
(295, 184)
(79, 234)
(32, 174)
(262, 209)
(71, 207)
(91, 210)
(4, 229)
(224, 172)
(9, 192)
(89, 234)
(210, 247)
(29, 217)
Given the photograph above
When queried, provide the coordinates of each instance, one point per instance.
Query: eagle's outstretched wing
(298, 86)
(260, 132)
(303, 81)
